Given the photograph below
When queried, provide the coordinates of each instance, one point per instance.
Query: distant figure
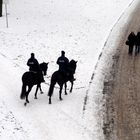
(1, 1)
(131, 42)
(63, 62)
(35, 67)
(137, 50)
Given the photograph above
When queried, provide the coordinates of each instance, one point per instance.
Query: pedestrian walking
(137, 43)
(131, 42)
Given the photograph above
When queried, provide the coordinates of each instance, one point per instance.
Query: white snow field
(46, 27)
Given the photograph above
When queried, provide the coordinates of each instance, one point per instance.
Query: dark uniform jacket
(63, 62)
(33, 64)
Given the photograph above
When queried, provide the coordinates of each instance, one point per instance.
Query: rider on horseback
(63, 63)
(33, 63)
(34, 67)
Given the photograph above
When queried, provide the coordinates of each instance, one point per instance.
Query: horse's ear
(76, 61)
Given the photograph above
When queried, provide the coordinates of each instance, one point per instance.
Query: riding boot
(42, 78)
(73, 79)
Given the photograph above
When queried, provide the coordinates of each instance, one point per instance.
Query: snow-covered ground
(45, 28)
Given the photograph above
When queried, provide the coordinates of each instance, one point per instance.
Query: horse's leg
(71, 86)
(41, 91)
(36, 91)
(50, 101)
(27, 93)
(60, 92)
(65, 88)
(53, 82)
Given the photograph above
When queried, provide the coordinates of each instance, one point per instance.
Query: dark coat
(63, 62)
(138, 39)
(33, 64)
(131, 39)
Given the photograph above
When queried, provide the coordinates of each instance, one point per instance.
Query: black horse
(58, 77)
(29, 79)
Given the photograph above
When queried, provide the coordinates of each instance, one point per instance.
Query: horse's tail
(53, 82)
(23, 92)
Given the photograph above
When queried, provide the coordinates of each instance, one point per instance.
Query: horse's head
(72, 65)
(44, 67)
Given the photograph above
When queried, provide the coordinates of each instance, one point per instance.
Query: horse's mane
(72, 61)
(72, 66)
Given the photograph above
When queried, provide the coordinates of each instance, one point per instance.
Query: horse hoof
(66, 93)
(50, 102)
(25, 104)
(41, 92)
(61, 99)
(35, 98)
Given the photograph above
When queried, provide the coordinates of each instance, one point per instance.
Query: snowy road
(121, 87)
